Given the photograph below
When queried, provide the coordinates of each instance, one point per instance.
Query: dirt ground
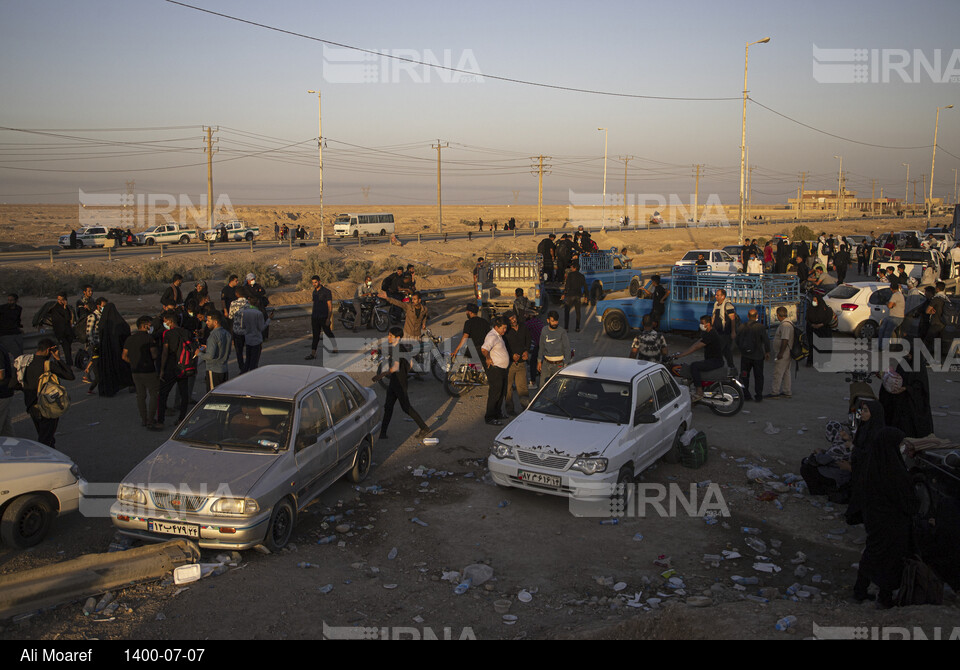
(568, 565)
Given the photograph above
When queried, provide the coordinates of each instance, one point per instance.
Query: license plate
(539, 478)
(186, 529)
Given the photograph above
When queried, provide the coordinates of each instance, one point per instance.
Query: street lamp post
(603, 203)
(320, 152)
(743, 130)
(933, 161)
(839, 185)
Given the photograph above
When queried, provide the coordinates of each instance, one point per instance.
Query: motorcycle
(429, 356)
(464, 375)
(722, 391)
(372, 315)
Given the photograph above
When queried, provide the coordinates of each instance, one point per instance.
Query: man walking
(321, 316)
(140, 351)
(782, 343)
(46, 359)
(554, 348)
(574, 294)
(517, 339)
(754, 349)
(173, 341)
(398, 368)
(216, 352)
(495, 354)
(725, 323)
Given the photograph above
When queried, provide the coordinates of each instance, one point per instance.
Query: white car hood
(560, 435)
(13, 450)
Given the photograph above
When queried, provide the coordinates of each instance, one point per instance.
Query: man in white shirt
(494, 352)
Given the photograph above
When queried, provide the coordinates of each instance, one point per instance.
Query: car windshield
(152, 230)
(586, 399)
(230, 422)
(843, 292)
(343, 218)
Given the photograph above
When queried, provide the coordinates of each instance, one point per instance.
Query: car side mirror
(644, 418)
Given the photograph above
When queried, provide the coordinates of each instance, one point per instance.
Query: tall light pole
(839, 185)
(320, 151)
(933, 161)
(743, 130)
(603, 203)
(906, 190)
(954, 186)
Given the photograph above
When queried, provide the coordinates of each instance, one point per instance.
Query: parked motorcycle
(372, 315)
(465, 374)
(428, 356)
(722, 391)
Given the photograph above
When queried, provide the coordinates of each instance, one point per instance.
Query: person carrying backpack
(46, 362)
(177, 364)
(782, 342)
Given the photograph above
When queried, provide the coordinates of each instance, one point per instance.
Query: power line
(510, 80)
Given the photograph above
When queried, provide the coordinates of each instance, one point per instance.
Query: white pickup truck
(236, 231)
(915, 260)
(170, 233)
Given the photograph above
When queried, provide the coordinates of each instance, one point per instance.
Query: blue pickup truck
(607, 271)
(692, 295)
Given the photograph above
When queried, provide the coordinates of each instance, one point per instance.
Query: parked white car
(250, 456)
(717, 260)
(860, 307)
(89, 236)
(37, 483)
(596, 423)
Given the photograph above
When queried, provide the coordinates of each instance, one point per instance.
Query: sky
(102, 92)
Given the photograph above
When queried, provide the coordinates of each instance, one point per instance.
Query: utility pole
(320, 156)
(803, 181)
(923, 190)
(438, 147)
(539, 168)
(873, 195)
(210, 151)
(696, 195)
(954, 186)
(625, 159)
(914, 182)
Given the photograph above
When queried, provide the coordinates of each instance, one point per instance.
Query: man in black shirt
(564, 251)
(574, 295)
(658, 296)
(398, 367)
(754, 348)
(321, 316)
(171, 344)
(841, 262)
(475, 328)
(547, 249)
(517, 339)
(712, 346)
(11, 329)
(229, 293)
(141, 353)
(47, 352)
(62, 321)
(173, 292)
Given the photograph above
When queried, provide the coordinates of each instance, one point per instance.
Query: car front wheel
(282, 520)
(26, 521)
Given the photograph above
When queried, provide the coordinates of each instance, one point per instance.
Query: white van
(353, 225)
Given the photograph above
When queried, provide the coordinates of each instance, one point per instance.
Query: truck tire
(184, 240)
(151, 241)
(615, 324)
(248, 237)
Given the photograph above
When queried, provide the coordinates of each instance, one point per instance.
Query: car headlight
(235, 506)
(131, 494)
(501, 450)
(590, 466)
(75, 471)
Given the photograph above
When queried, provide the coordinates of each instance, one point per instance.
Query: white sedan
(36, 484)
(860, 307)
(595, 424)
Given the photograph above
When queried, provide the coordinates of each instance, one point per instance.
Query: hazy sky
(79, 70)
